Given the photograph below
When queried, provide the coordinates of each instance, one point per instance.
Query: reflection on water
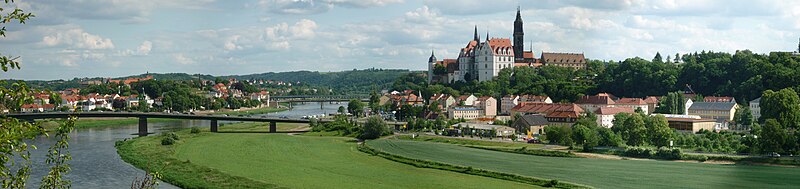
(95, 163)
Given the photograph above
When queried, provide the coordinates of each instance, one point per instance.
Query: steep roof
(501, 46)
(596, 99)
(613, 110)
(726, 106)
(631, 101)
(532, 119)
(563, 58)
(542, 108)
(651, 100)
(719, 99)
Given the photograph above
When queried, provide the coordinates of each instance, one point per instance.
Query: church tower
(431, 66)
(519, 42)
(476, 37)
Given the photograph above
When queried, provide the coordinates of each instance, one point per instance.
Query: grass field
(317, 162)
(225, 160)
(600, 173)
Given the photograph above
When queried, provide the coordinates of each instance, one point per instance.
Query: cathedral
(483, 60)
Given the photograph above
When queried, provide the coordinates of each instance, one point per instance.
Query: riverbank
(248, 111)
(226, 160)
(83, 123)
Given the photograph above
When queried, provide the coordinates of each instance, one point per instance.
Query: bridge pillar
(214, 125)
(273, 127)
(142, 126)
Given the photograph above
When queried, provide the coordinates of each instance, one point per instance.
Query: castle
(483, 60)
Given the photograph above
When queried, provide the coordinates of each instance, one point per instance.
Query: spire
(519, 17)
(477, 38)
(487, 36)
(798, 47)
(432, 59)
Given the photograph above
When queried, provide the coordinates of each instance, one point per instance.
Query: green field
(600, 173)
(224, 160)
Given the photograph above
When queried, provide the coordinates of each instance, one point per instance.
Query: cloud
(77, 38)
(145, 48)
(181, 59)
(317, 6)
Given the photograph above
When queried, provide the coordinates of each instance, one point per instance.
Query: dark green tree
(773, 137)
(783, 106)
(355, 107)
(658, 130)
(374, 128)
(658, 59)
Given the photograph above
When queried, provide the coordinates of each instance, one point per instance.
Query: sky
(114, 38)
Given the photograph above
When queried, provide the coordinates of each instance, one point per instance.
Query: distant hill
(354, 81)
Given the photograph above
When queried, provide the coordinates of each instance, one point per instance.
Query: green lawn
(316, 162)
(600, 173)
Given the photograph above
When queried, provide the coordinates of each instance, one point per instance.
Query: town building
(444, 100)
(652, 103)
(605, 115)
(755, 108)
(467, 112)
(466, 100)
(719, 99)
(556, 114)
(592, 103)
(721, 112)
(568, 60)
(633, 103)
(534, 123)
(488, 105)
(510, 101)
(692, 125)
(35, 108)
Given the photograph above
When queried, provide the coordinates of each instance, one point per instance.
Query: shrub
(167, 141)
(195, 130)
(666, 153)
(638, 152)
(172, 135)
(552, 183)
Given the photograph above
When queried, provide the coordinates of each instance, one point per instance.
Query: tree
(633, 130)
(342, 110)
(677, 58)
(657, 58)
(783, 106)
(374, 101)
(673, 103)
(659, 131)
(743, 117)
(355, 107)
(143, 105)
(434, 107)
(374, 128)
(585, 136)
(607, 137)
(439, 70)
(14, 155)
(773, 137)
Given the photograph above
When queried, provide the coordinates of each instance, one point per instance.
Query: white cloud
(181, 59)
(77, 38)
(317, 6)
(145, 48)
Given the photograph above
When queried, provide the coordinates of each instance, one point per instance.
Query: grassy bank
(251, 112)
(223, 160)
(95, 123)
(262, 127)
(147, 153)
(600, 173)
(524, 150)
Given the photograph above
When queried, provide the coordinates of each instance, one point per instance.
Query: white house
(605, 115)
(755, 108)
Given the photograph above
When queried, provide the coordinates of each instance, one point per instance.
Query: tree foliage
(783, 106)
(374, 128)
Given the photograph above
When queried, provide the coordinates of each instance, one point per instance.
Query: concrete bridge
(318, 98)
(143, 118)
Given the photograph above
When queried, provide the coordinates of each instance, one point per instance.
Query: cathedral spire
(476, 38)
(487, 36)
(798, 47)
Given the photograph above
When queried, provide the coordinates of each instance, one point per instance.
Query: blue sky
(105, 38)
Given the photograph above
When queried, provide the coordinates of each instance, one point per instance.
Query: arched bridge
(143, 118)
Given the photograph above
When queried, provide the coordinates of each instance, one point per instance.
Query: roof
(532, 120)
(719, 99)
(726, 106)
(469, 50)
(501, 46)
(757, 100)
(563, 114)
(563, 57)
(613, 110)
(652, 99)
(527, 54)
(533, 98)
(629, 101)
(602, 98)
(543, 108)
(484, 98)
(692, 120)
(465, 108)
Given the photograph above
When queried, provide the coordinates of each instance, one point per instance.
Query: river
(95, 163)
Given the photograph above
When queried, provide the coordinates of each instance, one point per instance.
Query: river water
(95, 163)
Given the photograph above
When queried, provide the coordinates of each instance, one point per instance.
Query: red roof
(533, 98)
(602, 98)
(563, 114)
(629, 101)
(527, 54)
(613, 110)
(543, 108)
(501, 46)
(651, 100)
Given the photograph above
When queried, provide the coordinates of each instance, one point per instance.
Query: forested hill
(354, 81)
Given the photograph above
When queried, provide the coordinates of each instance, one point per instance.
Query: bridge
(318, 98)
(143, 118)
